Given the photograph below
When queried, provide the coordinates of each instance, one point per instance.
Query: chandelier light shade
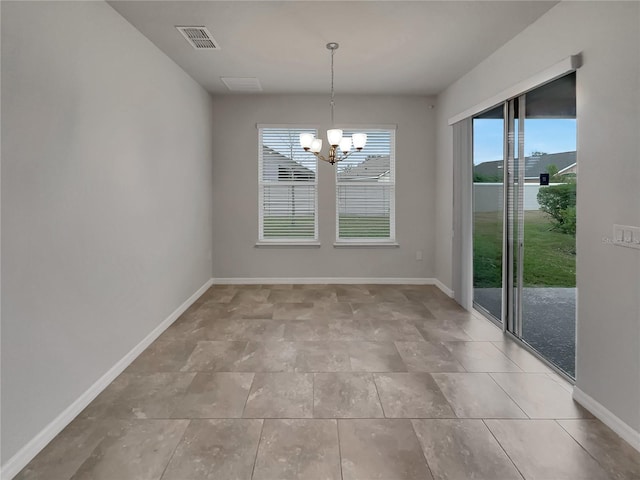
(334, 135)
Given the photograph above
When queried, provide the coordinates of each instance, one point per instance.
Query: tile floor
(334, 382)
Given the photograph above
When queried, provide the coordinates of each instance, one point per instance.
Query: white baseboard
(627, 433)
(334, 280)
(16, 463)
(443, 288)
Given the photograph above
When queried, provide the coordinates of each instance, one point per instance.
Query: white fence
(488, 197)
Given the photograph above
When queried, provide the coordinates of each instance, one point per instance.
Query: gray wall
(235, 188)
(608, 101)
(106, 201)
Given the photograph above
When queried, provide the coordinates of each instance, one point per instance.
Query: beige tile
(481, 357)
(277, 286)
(381, 450)
(150, 395)
(139, 449)
(411, 395)
(219, 343)
(392, 331)
(428, 357)
(330, 310)
(314, 286)
(390, 311)
(541, 449)
(315, 296)
(518, 355)
(267, 357)
(476, 395)
(354, 294)
(280, 395)
(463, 449)
(248, 310)
(62, 457)
(345, 395)
(481, 329)
(214, 395)
(100, 407)
(322, 357)
(298, 449)
(259, 330)
(619, 459)
(444, 307)
(449, 314)
(251, 295)
(328, 330)
(561, 381)
(375, 357)
(354, 331)
(184, 329)
(441, 331)
(218, 296)
(288, 296)
(293, 311)
(539, 396)
(387, 293)
(215, 356)
(216, 449)
(422, 295)
(306, 331)
(209, 312)
(163, 356)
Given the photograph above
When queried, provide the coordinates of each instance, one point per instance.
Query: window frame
(284, 241)
(390, 241)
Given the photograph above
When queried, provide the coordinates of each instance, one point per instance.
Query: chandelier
(309, 142)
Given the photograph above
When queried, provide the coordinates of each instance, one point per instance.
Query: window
(287, 187)
(365, 190)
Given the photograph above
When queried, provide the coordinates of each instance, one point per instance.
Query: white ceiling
(386, 47)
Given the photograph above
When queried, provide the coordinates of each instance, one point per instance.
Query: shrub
(568, 220)
(559, 202)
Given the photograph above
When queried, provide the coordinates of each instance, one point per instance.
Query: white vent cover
(242, 84)
(199, 37)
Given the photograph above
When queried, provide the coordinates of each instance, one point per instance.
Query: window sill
(366, 245)
(285, 244)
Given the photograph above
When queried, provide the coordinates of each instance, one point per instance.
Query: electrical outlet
(626, 236)
(419, 255)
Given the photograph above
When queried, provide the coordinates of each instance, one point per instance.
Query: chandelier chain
(332, 94)
(337, 142)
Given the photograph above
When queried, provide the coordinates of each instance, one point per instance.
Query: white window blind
(287, 186)
(365, 190)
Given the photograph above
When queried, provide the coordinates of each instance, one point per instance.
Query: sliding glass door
(548, 220)
(488, 211)
(524, 235)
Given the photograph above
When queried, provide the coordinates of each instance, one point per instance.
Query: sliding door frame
(513, 198)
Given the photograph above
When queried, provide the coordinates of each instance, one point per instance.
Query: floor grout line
(255, 459)
(175, 449)
(502, 448)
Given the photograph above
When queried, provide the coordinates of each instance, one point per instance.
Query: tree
(559, 202)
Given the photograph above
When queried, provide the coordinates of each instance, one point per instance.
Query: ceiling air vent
(242, 84)
(199, 37)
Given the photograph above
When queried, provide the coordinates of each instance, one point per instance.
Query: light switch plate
(626, 236)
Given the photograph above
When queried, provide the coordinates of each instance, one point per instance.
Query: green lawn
(549, 256)
(364, 227)
(296, 227)
(350, 227)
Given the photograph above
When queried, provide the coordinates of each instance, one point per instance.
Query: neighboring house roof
(373, 168)
(534, 165)
(281, 167)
